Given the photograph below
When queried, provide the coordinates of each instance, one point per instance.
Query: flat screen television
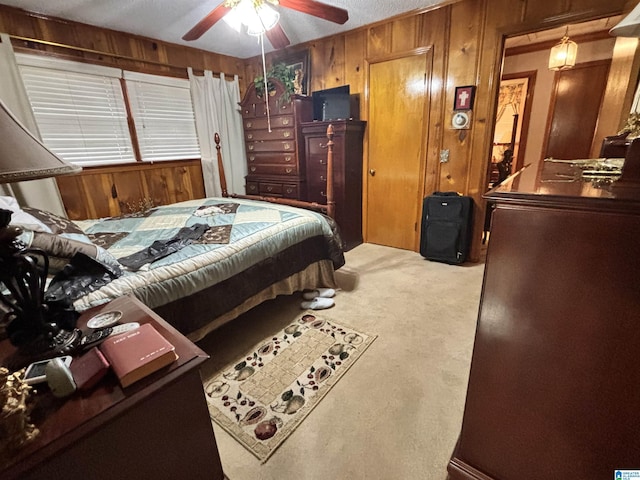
(332, 103)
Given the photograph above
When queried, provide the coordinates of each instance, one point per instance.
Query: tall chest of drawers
(347, 172)
(275, 156)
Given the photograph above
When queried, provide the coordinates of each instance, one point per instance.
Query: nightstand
(159, 427)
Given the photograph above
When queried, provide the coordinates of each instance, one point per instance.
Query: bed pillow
(55, 223)
(61, 248)
(20, 217)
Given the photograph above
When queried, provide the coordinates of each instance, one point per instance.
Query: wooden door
(398, 108)
(575, 106)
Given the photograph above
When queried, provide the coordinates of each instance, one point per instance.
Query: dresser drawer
(262, 158)
(253, 188)
(317, 146)
(317, 161)
(274, 134)
(270, 188)
(273, 189)
(273, 170)
(271, 146)
(260, 123)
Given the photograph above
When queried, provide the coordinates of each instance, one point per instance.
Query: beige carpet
(397, 412)
(262, 397)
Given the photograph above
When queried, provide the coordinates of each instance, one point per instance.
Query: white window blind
(81, 116)
(163, 115)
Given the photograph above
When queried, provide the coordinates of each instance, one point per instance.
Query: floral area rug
(263, 396)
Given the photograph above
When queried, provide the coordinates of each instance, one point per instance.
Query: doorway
(398, 115)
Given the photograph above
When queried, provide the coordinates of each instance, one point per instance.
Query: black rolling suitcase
(446, 227)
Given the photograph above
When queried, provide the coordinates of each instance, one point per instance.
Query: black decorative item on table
(32, 326)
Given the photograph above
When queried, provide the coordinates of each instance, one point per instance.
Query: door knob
(372, 172)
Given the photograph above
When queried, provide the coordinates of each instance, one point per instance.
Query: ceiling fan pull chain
(264, 77)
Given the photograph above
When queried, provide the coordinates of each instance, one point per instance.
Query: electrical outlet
(444, 156)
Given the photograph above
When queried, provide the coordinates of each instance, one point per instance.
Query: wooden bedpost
(223, 179)
(331, 204)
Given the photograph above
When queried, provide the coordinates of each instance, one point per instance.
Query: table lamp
(30, 325)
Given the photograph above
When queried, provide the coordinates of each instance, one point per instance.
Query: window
(163, 114)
(81, 112)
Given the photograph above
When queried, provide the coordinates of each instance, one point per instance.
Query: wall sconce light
(563, 55)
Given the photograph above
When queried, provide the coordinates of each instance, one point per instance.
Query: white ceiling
(169, 20)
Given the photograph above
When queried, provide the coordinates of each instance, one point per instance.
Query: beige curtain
(42, 194)
(216, 110)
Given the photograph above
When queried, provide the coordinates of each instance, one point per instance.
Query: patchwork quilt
(238, 235)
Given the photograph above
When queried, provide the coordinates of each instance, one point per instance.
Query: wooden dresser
(347, 172)
(554, 387)
(275, 159)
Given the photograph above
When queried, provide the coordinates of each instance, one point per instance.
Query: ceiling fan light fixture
(257, 16)
(233, 19)
(264, 18)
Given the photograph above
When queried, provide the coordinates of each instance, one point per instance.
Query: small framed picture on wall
(464, 97)
(298, 63)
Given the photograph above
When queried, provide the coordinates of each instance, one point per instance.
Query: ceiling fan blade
(317, 9)
(277, 37)
(207, 22)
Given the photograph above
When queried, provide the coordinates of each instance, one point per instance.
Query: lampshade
(563, 55)
(23, 156)
(629, 26)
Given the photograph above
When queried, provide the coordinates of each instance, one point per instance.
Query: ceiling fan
(266, 18)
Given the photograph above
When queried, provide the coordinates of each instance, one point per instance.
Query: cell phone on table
(36, 371)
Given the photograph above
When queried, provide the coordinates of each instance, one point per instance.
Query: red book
(89, 369)
(135, 354)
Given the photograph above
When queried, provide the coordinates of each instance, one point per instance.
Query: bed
(252, 251)
(246, 250)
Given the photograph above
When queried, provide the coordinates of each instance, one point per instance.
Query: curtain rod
(106, 54)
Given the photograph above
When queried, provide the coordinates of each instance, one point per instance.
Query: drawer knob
(252, 187)
(288, 170)
(322, 145)
(269, 189)
(250, 136)
(249, 124)
(287, 146)
(323, 161)
(322, 194)
(285, 121)
(252, 158)
(251, 147)
(322, 179)
(286, 134)
(253, 169)
(287, 158)
(289, 190)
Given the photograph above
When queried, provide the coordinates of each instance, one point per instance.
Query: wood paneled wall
(123, 50)
(465, 35)
(467, 38)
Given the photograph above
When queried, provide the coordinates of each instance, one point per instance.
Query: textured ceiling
(169, 20)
